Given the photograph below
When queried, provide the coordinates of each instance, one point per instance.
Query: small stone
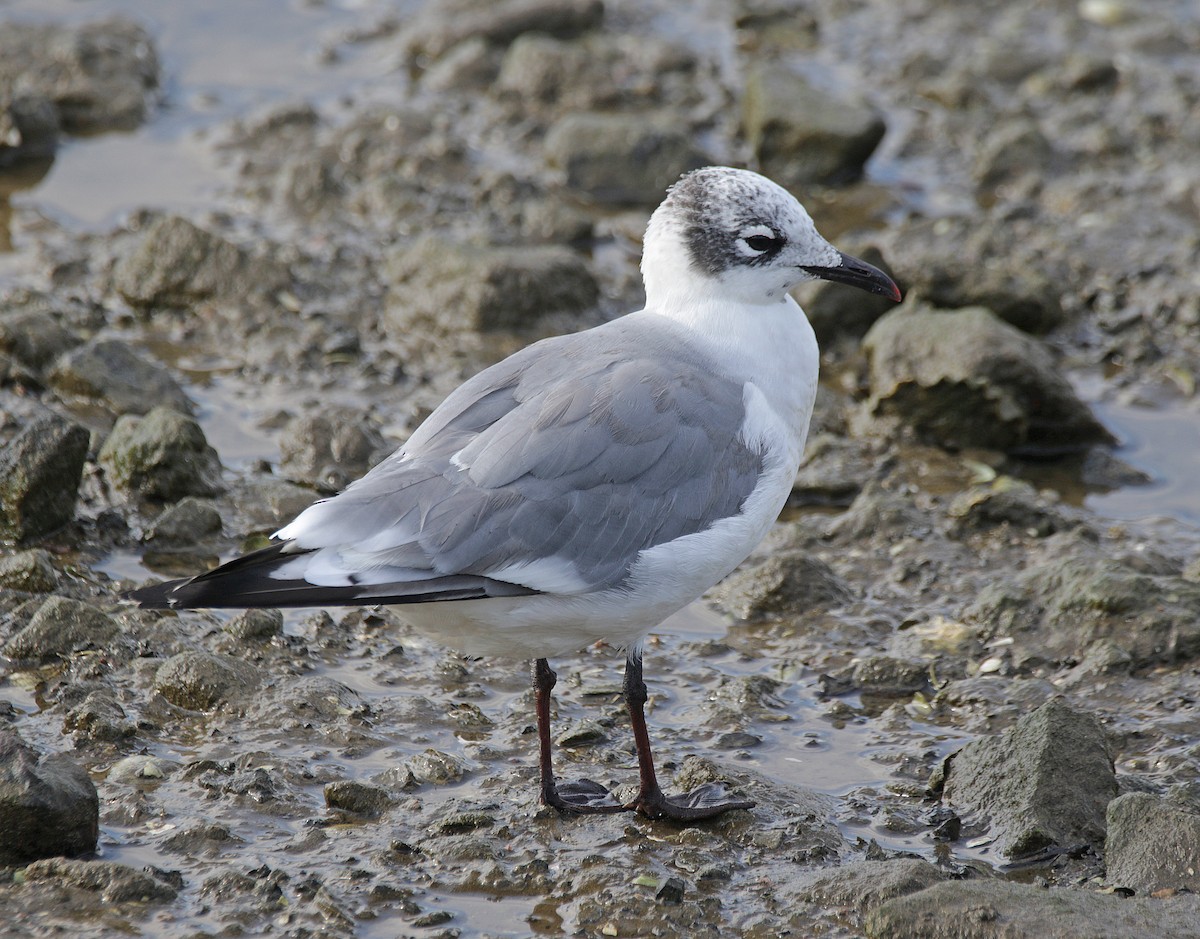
(350, 796)
(786, 584)
(671, 890)
(621, 159)
(177, 264)
(446, 288)
(968, 379)
(60, 627)
(47, 807)
(163, 455)
(1151, 844)
(885, 675)
(115, 883)
(1046, 780)
(581, 734)
(436, 767)
(110, 373)
(331, 449)
(256, 625)
(188, 521)
(30, 571)
(803, 134)
(40, 471)
(200, 681)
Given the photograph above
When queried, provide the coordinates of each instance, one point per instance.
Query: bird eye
(763, 243)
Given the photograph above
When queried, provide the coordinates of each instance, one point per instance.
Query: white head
(736, 235)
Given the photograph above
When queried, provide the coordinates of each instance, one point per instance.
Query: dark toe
(582, 797)
(707, 801)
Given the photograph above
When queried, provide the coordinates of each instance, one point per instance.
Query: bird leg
(582, 797)
(705, 801)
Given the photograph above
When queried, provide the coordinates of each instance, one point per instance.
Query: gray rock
(835, 470)
(40, 470)
(32, 335)
(163, 455)
(203, 839)
(1071, 597)
(28, 128)
(99, 717)
(787, 584)
(268, 503)
(60, 627)
(835, 311)
(442, 289)
(993, 263)
(331, 449)
(1151, 844)
(99, 76)
(433, 766)
(803, 134)
(350, 796)
(1011, 151)
(443, 26)
(255, 625)
(888, 675)
(108, 372)
(200, 681)
(862, 885)
(968, 379)
(187, 522)
(115, 883)
(1013, 502)
(997, 909)
(622, 159)
(46, 808)
(1046, 780)
(30, 571)
(176, 264)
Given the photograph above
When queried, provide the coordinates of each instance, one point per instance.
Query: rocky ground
(964, 702)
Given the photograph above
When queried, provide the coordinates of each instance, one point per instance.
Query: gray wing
(551, 470)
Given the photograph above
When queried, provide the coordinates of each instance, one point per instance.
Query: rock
(835, 311)
(1046, 780)
(994, 263)
(268, 503)
(28, 128)
(32, 336)
(188, 521)
(787, 584)
(442, 288)
(46, 808)
(998, 909)
(597, 72)
(332, 448)
(108, 372)
(1071, 597)
(443, 26)
(200, 681)
(803, 134)
(1151, 844)
(1014, 502)
(835, 470)
(60, 627)
(862, 885)
(203, 839)
(30, 571)
(115, 883)
(99, 76)
(887, 675)
(968, 379)
(349, 796)
(436, 767)
(621, 159)
(177, 264)
(40, 471)
(163, 455)
(255, 625)
(1010, 151)
(99, 717)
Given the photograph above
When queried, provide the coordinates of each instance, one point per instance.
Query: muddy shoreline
(958, 678)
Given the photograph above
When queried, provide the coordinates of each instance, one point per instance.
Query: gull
(592, 484)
